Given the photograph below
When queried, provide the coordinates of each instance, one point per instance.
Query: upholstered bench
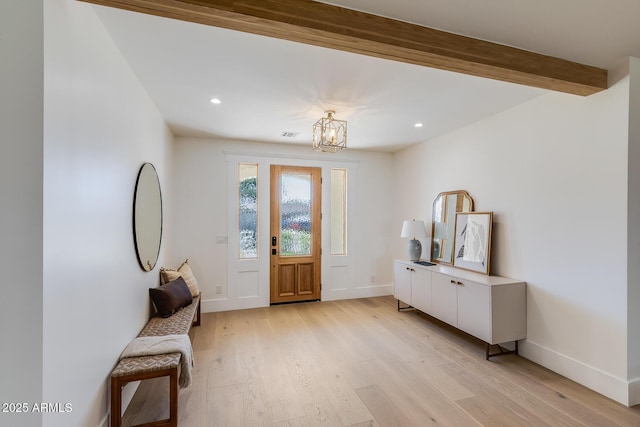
(140, 368)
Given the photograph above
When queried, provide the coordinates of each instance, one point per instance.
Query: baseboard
(226, 304)
(105, 421)
(606, 384)
(127, 396)
(634, 392)
(359, 292)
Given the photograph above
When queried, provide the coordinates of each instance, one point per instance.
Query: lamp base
(414, 250)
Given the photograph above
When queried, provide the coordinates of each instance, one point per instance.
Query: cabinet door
(474, 309)
(444, 304)
(421, 289)
(402, 282)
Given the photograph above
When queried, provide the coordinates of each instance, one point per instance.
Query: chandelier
(330, 134)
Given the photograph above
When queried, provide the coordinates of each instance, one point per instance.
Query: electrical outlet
(373, 279)
(222, 239)
(218, 289)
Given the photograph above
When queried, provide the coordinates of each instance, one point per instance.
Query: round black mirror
(147, 217)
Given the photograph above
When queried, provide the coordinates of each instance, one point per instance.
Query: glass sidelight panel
(295, 214)
(248, 221)
(338, 211)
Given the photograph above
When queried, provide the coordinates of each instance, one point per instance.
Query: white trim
(359, 292)
(634, 392)
(290, 159)
(232, 300)
(614, 388)
(226, 304)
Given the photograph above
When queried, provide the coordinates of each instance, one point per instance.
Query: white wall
(99, 127)
(202, 214)
(21, 98)
(633, 303)
(554, 172)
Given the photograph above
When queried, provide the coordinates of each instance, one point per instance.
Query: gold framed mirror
(147, 217)
(443, 218)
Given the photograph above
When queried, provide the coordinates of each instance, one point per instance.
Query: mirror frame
(451, 219)
(147, 217)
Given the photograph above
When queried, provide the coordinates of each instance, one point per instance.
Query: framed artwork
(473, 241)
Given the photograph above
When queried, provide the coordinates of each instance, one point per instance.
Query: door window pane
(248, 184)
(295, 214)
(338, 211)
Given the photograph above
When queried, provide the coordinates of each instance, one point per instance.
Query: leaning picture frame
(472, 244)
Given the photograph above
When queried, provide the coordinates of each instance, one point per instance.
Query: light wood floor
(362, 363)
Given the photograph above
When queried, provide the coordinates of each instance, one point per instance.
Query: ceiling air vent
(290, 134)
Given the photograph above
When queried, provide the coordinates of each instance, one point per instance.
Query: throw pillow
(184, 271)
(170, 297)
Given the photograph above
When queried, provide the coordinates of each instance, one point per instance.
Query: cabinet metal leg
(407, 308)
(501, 351)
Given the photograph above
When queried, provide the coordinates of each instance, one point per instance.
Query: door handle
(274, 241)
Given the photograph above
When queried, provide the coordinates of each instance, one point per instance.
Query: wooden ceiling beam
(339, 28)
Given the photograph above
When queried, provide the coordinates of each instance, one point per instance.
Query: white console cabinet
(491, 308)
(412, 285)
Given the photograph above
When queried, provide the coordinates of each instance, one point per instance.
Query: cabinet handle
(460, 283)
(453, 281)
(407, 268)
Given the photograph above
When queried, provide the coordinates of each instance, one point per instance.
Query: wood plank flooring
(362, 363)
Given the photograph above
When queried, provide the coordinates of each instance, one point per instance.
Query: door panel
(287, 275)
(402, 282)
(444, 298)
(421, 290)
(305, 279)
(295, 231)
(474, 309)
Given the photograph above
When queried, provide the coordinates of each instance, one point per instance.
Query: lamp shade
(413, 229)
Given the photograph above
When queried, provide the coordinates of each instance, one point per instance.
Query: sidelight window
(248, 218)
(338, 211)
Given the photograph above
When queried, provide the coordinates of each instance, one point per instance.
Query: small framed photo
(473, 241)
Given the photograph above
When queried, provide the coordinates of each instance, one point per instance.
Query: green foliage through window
(248, 219)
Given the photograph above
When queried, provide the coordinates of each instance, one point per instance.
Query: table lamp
(414, 229)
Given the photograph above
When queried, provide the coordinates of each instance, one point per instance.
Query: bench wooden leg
(116, 402)
(196, 319)
(117, 383)
(173, 398)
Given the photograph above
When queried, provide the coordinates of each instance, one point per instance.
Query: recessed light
(215, 101)
(418, 125)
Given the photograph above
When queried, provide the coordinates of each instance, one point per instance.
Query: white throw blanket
(151, 346)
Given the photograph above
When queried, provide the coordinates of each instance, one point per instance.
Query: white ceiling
(270, 86)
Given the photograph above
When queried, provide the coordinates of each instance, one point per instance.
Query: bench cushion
(143, 364)
(179, 323)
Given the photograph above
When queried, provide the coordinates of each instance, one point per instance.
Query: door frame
(315, 258)
(253, 275)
